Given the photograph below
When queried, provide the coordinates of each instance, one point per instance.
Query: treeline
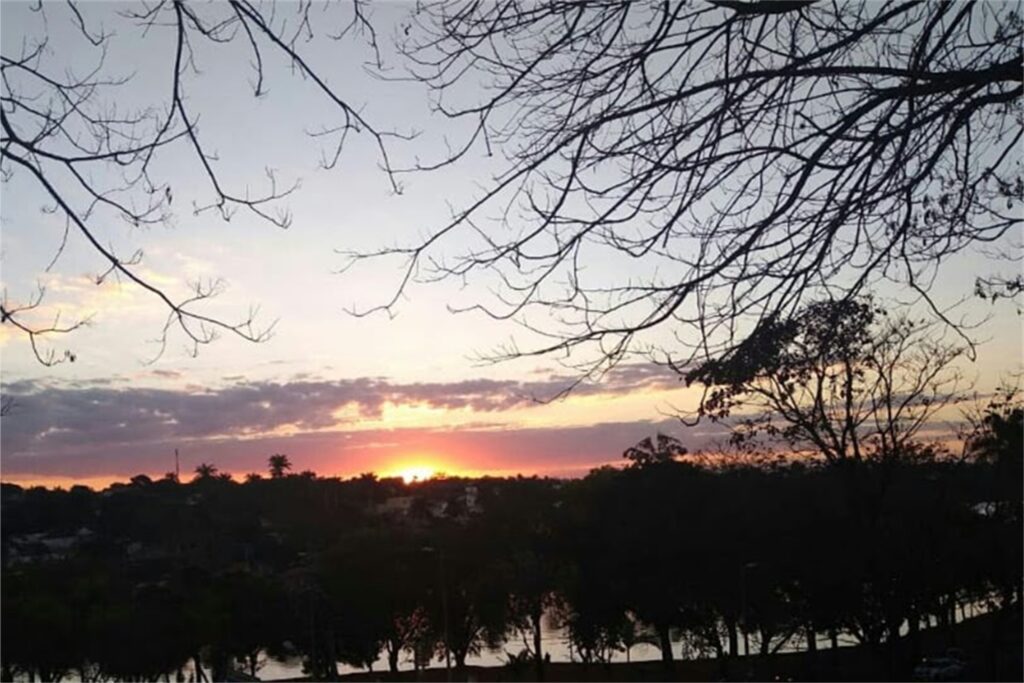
(137, 581)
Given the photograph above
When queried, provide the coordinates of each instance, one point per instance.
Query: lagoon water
(555, 643)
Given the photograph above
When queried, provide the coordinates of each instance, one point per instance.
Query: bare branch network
(695, 167)
(94, 160)
(673, 172)
(842, 379)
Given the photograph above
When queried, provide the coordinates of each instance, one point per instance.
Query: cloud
(166, 374)
(61, 420)
(555, 451)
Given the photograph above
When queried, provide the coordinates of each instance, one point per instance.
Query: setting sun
(416, 473)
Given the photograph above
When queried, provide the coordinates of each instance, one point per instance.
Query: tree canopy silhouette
(142, 580)
(205, 471)
(662, 449)
(277, 464)
(840, 378)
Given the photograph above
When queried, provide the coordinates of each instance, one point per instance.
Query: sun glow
(414, 473)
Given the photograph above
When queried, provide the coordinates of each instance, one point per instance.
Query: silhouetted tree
(996, 437)
(278, 463)
(996, 440)
(524, 513)
(147, 631)
(839, 379)
(35, 617)
(377, 584)
(647, 452)
(205, 471)
(141, 580)
(253, 607)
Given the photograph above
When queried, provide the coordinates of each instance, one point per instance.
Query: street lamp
(430, 550)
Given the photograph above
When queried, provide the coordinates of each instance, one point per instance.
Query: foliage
(840, 378)
(675, 553)
(647, 452)
(277, 464)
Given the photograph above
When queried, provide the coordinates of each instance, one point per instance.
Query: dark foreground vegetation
(706, 562)
(973, 639)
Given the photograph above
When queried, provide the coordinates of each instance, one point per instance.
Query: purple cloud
(98, 426)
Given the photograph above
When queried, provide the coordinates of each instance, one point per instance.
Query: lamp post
(444, 607)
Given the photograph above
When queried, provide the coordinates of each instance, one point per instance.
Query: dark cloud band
(54, 420)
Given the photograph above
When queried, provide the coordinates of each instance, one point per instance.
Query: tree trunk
(219, 670)
(200, 674)
(833, 638)
(811, 670)
(951, 621)
(332, 657)
(734, 640)
(716, 642)
(993, 646)
(393, 652)
(254, 661)
(538, 655)
(665, 638)
(914, 636)
(895, 650)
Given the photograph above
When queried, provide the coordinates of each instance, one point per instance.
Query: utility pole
(177, 470)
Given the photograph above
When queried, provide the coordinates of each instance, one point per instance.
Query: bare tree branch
(840, 378)
(94, 159)
(693, 168)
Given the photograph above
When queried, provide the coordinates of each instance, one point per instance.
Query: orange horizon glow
(410, 471)
(97, 483)
(416, 473)
(420, 467)
(411, 468)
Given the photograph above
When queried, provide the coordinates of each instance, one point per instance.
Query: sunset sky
(339, 394)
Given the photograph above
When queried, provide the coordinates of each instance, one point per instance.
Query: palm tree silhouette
(278, 463)
(206, 471)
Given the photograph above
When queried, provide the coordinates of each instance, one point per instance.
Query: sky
(339, 394)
